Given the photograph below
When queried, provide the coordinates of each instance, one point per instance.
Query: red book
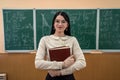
(59, 53)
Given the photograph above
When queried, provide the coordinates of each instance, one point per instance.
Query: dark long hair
(66, 32)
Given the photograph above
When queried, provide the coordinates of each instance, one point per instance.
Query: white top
(52, 41)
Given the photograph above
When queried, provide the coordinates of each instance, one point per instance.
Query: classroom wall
(45, 4)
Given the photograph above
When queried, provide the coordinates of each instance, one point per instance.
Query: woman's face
(60, 24)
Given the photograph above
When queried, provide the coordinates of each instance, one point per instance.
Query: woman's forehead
(60, 17)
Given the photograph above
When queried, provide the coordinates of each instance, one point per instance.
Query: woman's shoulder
(44, 38)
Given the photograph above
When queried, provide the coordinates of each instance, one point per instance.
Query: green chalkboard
(109, 32)
(18, 29)
(83, 25)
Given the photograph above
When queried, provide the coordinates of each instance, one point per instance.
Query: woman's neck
(59, 34)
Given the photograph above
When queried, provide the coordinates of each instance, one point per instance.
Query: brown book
(59, 53)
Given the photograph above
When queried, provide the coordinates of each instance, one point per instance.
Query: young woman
(60, 36)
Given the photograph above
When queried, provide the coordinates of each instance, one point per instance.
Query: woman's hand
(69, 61)
(54, 73)
(66, 63)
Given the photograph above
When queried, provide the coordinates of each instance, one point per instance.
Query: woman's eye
(63, 21)
(57, 21)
